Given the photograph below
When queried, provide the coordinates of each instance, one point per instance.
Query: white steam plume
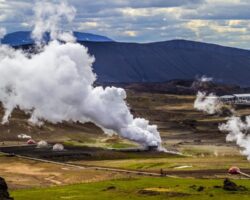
(207, 103)
(237, 129)
(2, 32)
(49, 18)
(58, 147)
(42, 144)
(205, 79)
(238, 132)
(24, 136)
(56, 85)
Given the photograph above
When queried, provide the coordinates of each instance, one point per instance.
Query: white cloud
(89, 25)
(25, 24)
(130, 33)
(151, 20)
(226, 27)
(48, 18)
(2, 32)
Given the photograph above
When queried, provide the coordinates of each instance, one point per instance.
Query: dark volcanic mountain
(118, 62)
(24, 38)
(164, 61)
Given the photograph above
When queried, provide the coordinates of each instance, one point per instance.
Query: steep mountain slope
(24, 38)
(164, 61)
(118, 62)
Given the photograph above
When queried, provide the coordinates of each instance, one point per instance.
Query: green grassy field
(103, 142)
(138, 188)
(172, 163)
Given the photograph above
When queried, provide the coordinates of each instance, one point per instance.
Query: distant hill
(164, 61)
(118, 62)
(184, 87)
(24, 38)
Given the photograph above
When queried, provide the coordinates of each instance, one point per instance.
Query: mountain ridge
(165, 61)
(120, 62)
(24, 38)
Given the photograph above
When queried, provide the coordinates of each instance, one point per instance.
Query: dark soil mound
(110, 188)
(166, 193)
(231, 186)
(4, 194)
(149, 192)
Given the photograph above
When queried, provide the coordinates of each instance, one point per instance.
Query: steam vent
(152, 148)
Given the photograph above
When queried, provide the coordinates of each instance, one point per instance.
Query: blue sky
(225, 22)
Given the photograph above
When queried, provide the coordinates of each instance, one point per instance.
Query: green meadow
(139, 188)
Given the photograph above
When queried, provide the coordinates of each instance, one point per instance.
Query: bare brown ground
(175, 116)
(182, 128)
(21, 173)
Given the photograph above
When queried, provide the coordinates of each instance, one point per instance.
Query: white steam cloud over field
(2, 32)
(238, 132)
(50, 18)
(56, 84)
(207, 103)
(237, 129)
